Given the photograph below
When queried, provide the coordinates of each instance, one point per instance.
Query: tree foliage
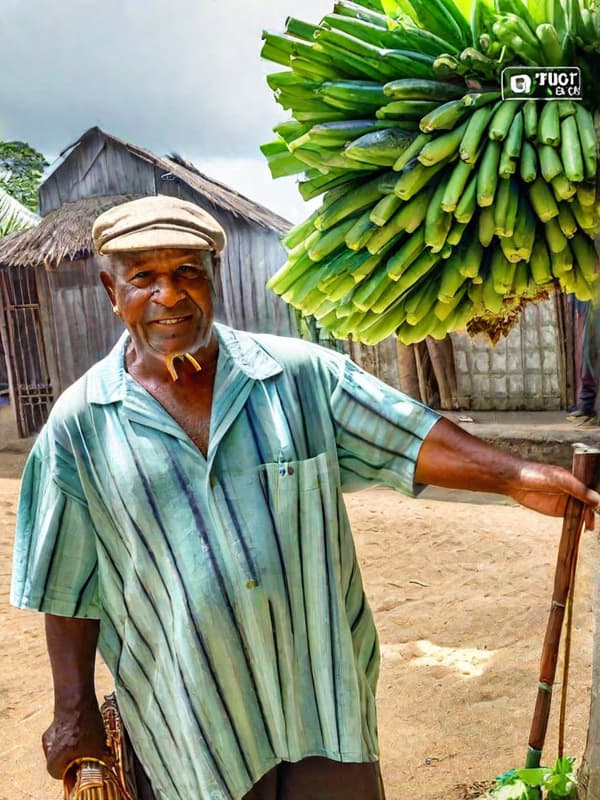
(21, 169)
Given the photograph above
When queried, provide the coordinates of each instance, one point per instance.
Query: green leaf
(563, 765)
(561, 781)
(515, 790)
(535, 776)
(390, 7)
(560, 786)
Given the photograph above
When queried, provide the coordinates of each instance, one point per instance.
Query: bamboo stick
(586, 466)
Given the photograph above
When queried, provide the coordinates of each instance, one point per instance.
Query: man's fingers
(590, 518)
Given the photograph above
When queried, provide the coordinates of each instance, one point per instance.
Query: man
(182, 510)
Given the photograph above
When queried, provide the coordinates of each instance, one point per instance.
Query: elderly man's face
(164, 298)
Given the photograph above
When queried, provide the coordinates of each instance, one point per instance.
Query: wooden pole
(407, 370)
(586, 466)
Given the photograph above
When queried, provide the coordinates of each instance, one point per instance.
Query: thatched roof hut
(64, 234)
(58, 320)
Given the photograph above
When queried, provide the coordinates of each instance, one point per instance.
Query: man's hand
(453, 458)
(70, 736)
(547, 489)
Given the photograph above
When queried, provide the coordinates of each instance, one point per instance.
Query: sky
(168, 75)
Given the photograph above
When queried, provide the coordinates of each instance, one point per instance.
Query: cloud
(170, 74)
(165, 74)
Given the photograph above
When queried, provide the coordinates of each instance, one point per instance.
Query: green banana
(416, 178)
(550, 162)
(455, 234)
(555, 238)
(563, 188)
(444, 117)
(456, 186)
(501, 121)
(539, 264)
(528, 163)
(421, 89)
(437, 221)
(552, 50)
(421, 301)
(382, 147)
(586, 193)
(360, 232)
(588, 140)
(530, 120)
(470, 258)
(486, 227)
(348, 204)
(406, 254)
(487, 176)
(570, 150)
(585, 256)
(330, 240)
(542, 200)
(417, 270)
(468, 202)
(502, 272)
(384, 209)
(474, 132)
(566, 220)
(442, 147)
(549, 124)
(412, 151)
(407, 219)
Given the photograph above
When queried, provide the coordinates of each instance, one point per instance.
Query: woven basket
(93, 779)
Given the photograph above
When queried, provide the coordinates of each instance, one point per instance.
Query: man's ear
(108, 283)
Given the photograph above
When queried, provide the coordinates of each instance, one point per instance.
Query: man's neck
(181, 368)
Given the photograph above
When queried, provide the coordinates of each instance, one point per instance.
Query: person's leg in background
(587, 341)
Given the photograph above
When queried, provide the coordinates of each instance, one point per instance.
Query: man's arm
(452, 458)
(77, 728)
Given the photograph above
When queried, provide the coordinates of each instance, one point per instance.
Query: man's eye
(189, 271)
(140, 276)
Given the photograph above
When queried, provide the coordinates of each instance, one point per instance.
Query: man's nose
(167, 292)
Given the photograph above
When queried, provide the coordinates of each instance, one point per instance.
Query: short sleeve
(54, 563)
(379, 431)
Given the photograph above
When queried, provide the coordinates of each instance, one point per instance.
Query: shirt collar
(107, 379)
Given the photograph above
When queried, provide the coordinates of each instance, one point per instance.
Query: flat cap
(159, 221)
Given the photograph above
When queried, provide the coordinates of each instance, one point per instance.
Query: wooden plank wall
(84, 327)
(380, 360)
(97, 167)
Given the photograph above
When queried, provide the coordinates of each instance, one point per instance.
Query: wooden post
(441, 355)
(407, 370)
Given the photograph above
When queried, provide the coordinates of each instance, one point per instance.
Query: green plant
(21, 169)
(539, 783)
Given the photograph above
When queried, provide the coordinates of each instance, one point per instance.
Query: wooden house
(56, 319)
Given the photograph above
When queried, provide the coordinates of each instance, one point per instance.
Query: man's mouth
(170, 320)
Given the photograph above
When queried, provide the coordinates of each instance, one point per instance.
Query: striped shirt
(232, 611)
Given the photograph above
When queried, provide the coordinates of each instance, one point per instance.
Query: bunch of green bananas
(442, 203)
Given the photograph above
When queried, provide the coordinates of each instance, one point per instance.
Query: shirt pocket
(305, 507)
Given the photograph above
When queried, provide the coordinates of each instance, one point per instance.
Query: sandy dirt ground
(461, 593)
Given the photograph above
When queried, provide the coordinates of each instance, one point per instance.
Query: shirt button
(290, 470)
(213, 480)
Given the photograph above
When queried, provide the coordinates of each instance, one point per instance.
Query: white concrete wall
(523, 370)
